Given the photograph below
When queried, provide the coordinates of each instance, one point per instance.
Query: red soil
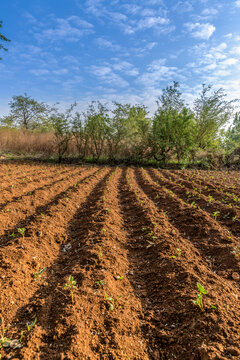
(117, 231)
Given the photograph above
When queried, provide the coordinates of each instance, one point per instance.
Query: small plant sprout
(71, 286)
(107, 210)
(110, 302)
(21, 231)
(39, 274)
(13, 235)
(99, 283)
(199, 301)
(236, 251)
(210, 199)
(179, 251)
(31, 325)
(216, 214)
(118, 277)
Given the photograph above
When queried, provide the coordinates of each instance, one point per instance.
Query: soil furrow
(52, 248)
(23, 211)
(174, 281)
(212, 241)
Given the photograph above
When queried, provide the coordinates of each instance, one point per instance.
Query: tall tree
(27, 112)
(172, 122)
(96, 126)
(2, 39)
(212, 111)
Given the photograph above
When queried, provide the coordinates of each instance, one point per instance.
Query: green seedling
(39, 274)
(4, 341)
(29, 328)
(107, 210)
(118, 277)
(21, 231)
(110, 302)
(210, 199)
(99, 283)
(236, 251)
(13, 235)
(31, 325)
(71, 286)
(179, 251)
(193, 204)
(216, 214)
(199, 301)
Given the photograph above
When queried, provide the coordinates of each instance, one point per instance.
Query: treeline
(126, 133)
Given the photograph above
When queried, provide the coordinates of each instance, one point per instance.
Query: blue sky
(82, 50)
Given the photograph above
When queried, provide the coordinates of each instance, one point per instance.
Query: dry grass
(26, 142)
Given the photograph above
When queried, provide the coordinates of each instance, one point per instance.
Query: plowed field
(137, 242)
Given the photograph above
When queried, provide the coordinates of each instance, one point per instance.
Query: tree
(80, 135)
(232, 135)
(27, 112)
(2, 38)
(212, 112)
(61, 125)
(96, 126)
(171, 125)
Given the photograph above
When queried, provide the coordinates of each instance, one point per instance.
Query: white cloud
(229, 62)
(237, 3)
(200, 31)
(236, 50)
(125, 67)
(102, 42)
(106, 74)
(158, 71)
(70, 29)
(39, 72)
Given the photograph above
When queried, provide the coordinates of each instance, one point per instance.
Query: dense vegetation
(127, 133)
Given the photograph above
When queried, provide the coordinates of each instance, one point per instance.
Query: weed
(71, 286)
(199, 301)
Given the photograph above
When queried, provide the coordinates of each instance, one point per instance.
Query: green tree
(172, 125)
(27, 112)
(96, 126)
(61, 125)
(80, 135)
(2, 39)
(212, 111)
(232, 135)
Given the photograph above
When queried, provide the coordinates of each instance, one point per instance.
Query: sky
(118, 50)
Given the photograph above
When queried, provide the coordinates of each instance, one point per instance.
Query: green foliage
(21, 231)
(236, 251)
(38, 275)
(172, 127)
(199, 301)
(71, 286)
(26, 112)
(212, 111)
(3, 39)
